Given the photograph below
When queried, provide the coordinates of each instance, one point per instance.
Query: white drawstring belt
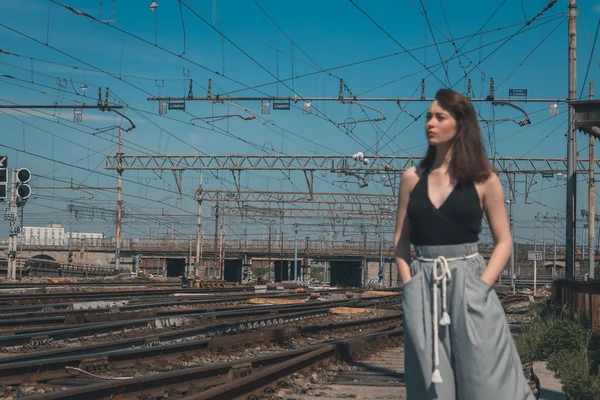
(441, 273)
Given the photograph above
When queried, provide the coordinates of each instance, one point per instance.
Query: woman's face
(440, 126)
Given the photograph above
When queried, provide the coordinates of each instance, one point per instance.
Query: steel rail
(52, 368)
(280, 363)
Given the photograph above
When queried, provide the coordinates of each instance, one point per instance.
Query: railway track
(23, 285)
(45, 367)
(55, 316)
(223, 380)
(215, 347)
(32, 338)
(69, 297)
(9, 300)
(99, 311)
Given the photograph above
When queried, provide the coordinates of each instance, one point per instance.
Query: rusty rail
(227, 380)
(251, 385)
(54, 367)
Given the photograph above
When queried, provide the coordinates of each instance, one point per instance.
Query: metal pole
(591, 202)
(296, 251)
(306, 275)
(281, 255)
(12, 240)
(119, 200)
(222, 251)
(189, 269)
(70, 254)
(535, 276)
(269, 264)
(201, 250)
(535, 219)
(21, 238)
(381, 274)
(216, 243)
(571, 146)
(544, 243)
(281, 246)
(511, 200)
(199, 230)
(554, 230)
(583, 235)
(365, 271)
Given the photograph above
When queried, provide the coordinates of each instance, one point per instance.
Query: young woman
(457, 342)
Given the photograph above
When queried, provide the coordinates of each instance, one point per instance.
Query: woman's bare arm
(495, 209)
(402, 233)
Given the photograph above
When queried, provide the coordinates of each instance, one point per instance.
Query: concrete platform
(550, 387)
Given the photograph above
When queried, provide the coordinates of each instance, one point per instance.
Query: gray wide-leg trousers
(457, 342)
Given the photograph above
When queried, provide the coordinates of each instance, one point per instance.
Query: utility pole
(296, 251)
(199, 231)
(307, 275)
(554, 230)
(571, 146)
(269, 264)
(591, 202)
(544, 239)
(119, 199)
(511, 201)
(201, 249)
(189, 268)
(216, 245)
(222, 251)
(12, 239)
(70, 254)
(535, 249)
(381, 271)
(281, 254)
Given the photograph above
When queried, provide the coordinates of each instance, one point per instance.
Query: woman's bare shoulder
(409, 179)
(410, 175)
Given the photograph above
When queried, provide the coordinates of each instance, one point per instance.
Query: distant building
(53, 235)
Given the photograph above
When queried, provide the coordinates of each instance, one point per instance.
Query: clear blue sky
(54, 51)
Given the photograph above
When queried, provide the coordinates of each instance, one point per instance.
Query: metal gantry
(331, 213)
(367, 199)
(375, 164)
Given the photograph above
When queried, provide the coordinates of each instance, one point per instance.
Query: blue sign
(176, 106)
(517, 92)
(281, 105)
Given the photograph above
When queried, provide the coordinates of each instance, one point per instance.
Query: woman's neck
(443, 155)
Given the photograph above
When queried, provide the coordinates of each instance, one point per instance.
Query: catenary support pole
(591, 203)
(571, 224)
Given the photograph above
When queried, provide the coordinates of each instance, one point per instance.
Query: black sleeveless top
(457, 221)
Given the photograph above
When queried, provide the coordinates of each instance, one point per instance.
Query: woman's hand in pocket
(491, 281)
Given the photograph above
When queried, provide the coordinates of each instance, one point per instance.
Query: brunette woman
(457, 342)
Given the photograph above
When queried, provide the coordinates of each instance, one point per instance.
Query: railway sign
(3, 162)
(517, 92)
(177, 106)
(281, 105)
(534, 255)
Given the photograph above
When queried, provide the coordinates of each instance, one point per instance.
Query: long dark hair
(469, 162)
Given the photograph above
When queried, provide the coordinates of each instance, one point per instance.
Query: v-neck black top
(456, 221)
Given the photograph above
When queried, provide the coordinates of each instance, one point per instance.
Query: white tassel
(445, 319)
(436, 377)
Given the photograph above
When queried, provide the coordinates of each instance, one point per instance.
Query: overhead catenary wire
(390, 126)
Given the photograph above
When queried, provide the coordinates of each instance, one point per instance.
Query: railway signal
(3, 177)
(23, 189)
